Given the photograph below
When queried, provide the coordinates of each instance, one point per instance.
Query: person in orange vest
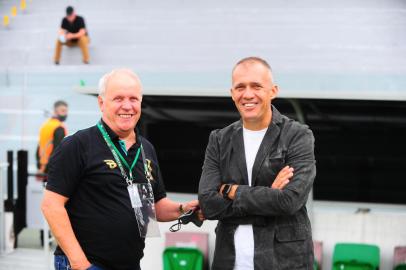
(51, 134)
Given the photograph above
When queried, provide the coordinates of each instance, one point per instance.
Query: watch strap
(226, 190)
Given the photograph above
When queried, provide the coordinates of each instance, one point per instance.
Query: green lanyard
(119, 158)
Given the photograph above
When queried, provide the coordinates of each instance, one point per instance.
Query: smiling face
(121, 103)
(252, 91)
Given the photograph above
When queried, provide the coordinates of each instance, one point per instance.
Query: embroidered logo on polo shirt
(149, 169)
(111, 163)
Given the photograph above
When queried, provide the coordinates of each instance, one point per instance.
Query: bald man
(256, 178)
(103, 183)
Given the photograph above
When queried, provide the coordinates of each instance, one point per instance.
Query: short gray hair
(106, 77)
(60, 103)
(254, 59)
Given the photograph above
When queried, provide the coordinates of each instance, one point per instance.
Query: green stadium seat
(315, 265)
(399, 258)
(351, 256)
(182, 258)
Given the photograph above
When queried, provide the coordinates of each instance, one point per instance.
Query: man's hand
(69, 36)
(41, 176)
(61, 32)
(81, 265)
(190, 205)
(195, 206)
(283, 177)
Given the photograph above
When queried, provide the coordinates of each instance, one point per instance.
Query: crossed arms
(287, 194)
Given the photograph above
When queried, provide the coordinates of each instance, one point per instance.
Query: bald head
(121, 73)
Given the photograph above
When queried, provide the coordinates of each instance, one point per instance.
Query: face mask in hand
(62, 118)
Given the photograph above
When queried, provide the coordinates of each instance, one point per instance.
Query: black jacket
(282, 231)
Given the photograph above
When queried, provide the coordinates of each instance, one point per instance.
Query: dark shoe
(56, 62)
(86, 62)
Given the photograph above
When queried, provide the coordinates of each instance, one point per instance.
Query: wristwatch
(226, 190)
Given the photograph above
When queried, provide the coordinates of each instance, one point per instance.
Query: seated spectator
(72, 33)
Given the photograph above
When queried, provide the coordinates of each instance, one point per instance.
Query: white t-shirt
(244, 235)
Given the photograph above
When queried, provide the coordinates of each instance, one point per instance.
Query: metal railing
(3, 168)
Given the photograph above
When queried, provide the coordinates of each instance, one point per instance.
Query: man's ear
(274, 91)
(101, 102)
(231, 92)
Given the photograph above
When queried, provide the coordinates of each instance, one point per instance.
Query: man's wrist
(181, 209)
(233, 191)
(228, 191)
(82, 264)
(225, 190)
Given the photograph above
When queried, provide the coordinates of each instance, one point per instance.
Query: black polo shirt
(75, 26)
(99, 206)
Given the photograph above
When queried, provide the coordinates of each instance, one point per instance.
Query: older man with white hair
(105, 189)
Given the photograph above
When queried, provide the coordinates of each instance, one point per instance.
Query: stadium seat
(318, 254)
(399, 258)
(351, 256)
(182, 258)
(190, 239)
(315, 265)
(14, 11)
(23, 5)
(6, 20)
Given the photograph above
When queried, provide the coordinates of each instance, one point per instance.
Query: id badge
(146, 215)
(134, 196)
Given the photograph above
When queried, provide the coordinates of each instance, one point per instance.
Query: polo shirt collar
(114, 137)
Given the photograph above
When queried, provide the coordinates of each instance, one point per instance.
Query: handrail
(3, 167)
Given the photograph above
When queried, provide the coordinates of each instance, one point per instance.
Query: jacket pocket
(292, 247)
(290, 233)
